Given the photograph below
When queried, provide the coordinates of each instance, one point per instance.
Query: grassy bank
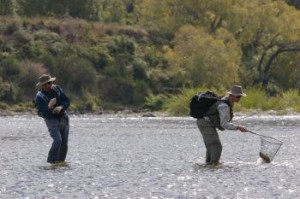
(256, 101)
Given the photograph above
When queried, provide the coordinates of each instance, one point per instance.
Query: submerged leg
(53, 127)
(64, 131)
(211, 141)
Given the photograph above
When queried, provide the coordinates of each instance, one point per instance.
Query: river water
(114, 156)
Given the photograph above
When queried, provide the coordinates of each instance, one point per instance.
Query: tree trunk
(292, 47)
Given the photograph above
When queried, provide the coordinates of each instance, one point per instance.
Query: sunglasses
(239, 97)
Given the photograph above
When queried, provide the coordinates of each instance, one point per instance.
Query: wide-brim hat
(236, 90)
(44, 79)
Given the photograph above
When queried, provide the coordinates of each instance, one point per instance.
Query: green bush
(87, 103)
(9, 68)
(22, 37)
(290, 98)
(49, 61)
(47, 36)
(155, 102)
(140, 92)
(98, 55)
(178, 105)
(273, 103)
(139, 69)
(117, 90)
(76, 74)
(28, 79)
(52, 41)
(9, 92)
(11, 28)
(256, 99)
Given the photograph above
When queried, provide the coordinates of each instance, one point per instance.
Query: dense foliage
(136, 53)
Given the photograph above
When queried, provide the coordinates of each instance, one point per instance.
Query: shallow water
(136, 157)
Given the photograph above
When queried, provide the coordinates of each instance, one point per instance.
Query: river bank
(138, 113)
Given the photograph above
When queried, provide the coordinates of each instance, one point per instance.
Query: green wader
(211, 141)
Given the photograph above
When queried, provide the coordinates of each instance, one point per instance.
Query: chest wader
(208, 128)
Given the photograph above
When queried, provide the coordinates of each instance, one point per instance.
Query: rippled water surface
(136, 157)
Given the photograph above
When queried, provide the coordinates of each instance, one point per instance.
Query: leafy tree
(287, 74)
(263, 34)
(169, 15)
(199, 58)
(262, 29)
(155, 14)
(295, 3)
(115, 11)
(85, 9)
(58, 7)
(7, 7)
(32, 7)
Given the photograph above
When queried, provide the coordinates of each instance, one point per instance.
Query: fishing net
(268, 148)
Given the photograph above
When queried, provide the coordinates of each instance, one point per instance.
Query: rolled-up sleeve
(224, 113)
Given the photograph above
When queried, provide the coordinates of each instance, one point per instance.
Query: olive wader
(208, 127)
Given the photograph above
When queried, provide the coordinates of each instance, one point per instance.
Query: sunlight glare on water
(136, 157)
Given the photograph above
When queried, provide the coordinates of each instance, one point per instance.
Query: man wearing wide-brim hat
(44, 79)
(51, 103)
(219, 116)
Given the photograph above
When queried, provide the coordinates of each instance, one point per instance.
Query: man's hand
(51, 103)
(242, 128)
(57, 109)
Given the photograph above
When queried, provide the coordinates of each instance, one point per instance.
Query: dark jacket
(42, 99)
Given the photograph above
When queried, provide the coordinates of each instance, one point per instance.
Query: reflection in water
(136, 157)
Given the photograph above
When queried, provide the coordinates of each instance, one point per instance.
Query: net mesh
(268, 148)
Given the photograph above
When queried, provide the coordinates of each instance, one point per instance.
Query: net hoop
(271, 140)
(269, 147)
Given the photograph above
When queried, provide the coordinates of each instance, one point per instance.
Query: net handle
(255, 133)
(263, 136)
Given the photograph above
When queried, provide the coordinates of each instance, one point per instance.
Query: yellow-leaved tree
(265, 30)
(200, 58)
(267, 33)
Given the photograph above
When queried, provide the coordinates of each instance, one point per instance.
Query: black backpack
(201, 102)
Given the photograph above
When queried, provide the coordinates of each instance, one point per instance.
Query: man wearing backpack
(219, 116)
(51, 103)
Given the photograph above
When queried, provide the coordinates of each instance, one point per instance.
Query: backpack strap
(230, 107)
(57, 90)
(44, 97)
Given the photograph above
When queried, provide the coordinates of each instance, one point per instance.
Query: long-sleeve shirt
(224, 114)
(43, 97)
